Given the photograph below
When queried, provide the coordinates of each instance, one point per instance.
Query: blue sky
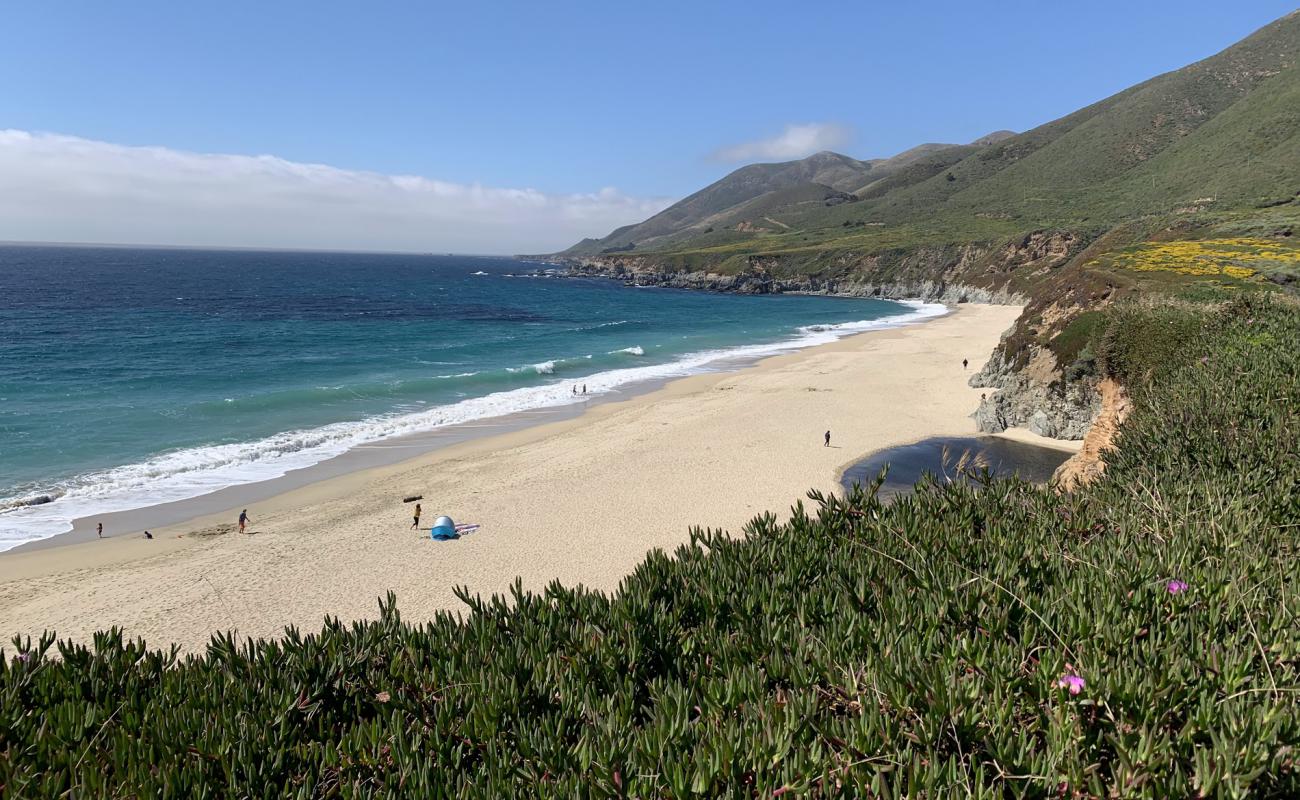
(569, 98)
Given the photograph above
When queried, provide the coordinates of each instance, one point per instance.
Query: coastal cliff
(645, 272)
(1035, 398)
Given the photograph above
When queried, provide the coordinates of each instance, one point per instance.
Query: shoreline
(581, 499)
(417, 432)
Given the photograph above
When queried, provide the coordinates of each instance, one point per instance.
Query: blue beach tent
(443, 529)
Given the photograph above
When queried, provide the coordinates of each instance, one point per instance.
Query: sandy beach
(581, 500)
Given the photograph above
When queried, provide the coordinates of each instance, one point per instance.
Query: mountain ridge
(835, 171)
(1118, 158)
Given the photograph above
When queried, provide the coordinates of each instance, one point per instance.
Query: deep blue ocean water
(130, 377)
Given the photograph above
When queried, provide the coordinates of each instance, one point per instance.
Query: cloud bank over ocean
(68, 189)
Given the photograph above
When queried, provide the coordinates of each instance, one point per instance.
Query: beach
(580, 500)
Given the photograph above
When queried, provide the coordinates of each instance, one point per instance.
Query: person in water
(416, 524)
(828, 440)
(243, 520)
(584, 388)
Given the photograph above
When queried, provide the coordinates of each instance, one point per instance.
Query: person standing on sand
(827, 443)
(99, 530)
(416, 524)
(243, 520)
(963, 363)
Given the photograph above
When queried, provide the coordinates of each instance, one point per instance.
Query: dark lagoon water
(908, 463)
(134, 377)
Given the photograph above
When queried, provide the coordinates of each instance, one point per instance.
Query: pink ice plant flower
(1071, 680)
(1176, 586)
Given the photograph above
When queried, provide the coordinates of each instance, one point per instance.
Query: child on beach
(416, 524)
(243, 520)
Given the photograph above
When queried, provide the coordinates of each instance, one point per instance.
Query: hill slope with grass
(1222, 134)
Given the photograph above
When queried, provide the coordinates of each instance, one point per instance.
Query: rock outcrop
(1028, 398)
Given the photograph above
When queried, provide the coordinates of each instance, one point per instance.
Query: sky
(506, 127)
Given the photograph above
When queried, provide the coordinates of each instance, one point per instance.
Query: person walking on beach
(243, 520)
(584, 388)
(416, 524)
(99, 530)
(828, 440)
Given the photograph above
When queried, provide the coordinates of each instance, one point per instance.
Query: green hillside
(745, 184)
(1079, 169)
(1191, 148)
(743, 198)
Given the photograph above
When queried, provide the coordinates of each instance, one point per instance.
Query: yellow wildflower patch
(1234, 258)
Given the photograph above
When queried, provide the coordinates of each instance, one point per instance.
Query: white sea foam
(632, 351)
(197, 471)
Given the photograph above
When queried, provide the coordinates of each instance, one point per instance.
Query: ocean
(131, 377)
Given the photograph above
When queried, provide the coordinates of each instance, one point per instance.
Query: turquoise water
(130, 377)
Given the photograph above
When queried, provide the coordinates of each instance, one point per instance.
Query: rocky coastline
(1020, 398)
(758, 282)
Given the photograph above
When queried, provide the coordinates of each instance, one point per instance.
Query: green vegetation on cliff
(1138, 637)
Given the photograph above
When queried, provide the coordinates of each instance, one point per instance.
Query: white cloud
(68, 189)
(796, 141)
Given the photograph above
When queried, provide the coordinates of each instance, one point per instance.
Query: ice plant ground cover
(984, 640)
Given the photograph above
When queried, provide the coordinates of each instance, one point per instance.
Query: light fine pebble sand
(581, 501)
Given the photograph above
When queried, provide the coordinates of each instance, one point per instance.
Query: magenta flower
(1176, 586)
(1072, 682)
